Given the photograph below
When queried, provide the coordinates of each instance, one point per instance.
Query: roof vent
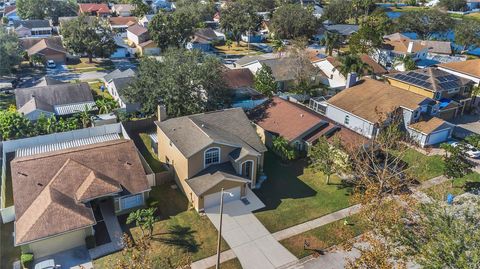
(301, 115)
(128, 163)
(39, 184)
(22, 174)
(203, 125)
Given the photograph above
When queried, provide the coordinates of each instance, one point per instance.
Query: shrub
(26, 259)
(90, 241)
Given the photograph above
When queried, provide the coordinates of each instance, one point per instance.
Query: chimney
(410, 47)
(161, 111)
(351, 79)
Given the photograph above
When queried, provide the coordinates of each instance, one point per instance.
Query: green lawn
(95, 86)
(8, 253)
(180, 232)
(294, 194)
(423, 167)
(6, 100)
(82, 65)
(324, 237)
(461, 185)
(149, 155)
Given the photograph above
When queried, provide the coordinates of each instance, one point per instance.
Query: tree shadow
(179, 236)
(471, 186)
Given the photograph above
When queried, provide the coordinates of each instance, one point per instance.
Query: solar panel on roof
(423, 77)
(441, 79)
(410, 73)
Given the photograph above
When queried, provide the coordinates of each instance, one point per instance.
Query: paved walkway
(249, 240)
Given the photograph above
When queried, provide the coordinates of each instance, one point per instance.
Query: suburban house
(59, 194)
(10, 13)
(473, 4)
(51, 48)
(366, 107)
(123, 10)
(46, 81)
(452, 93)
(241, 81)
(138, 38)
(469, 69)
(119, 25)
(203, 40)
(283, 69)
(345, 30)
(115, 82)
(93, 9)
(158, 5)
(329, 66)
(299, 125)
(59, 100)
(32, 28)
(209, 152)
(145, 20)
(397, 46)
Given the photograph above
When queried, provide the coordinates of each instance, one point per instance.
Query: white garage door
(438, 137)
(214, 199)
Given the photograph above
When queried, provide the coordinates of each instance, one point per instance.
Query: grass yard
(423, 167)
(180, 232)
(95, 86)
(6, 100)
(294, 194)
(325, 236)
(8, 253)
(235, 49)
(461, 185)
(148, 153)
(82, 65)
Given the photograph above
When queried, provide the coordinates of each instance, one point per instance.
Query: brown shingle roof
(122, 20)
(9, 9)
(285, 118)
(45, 46)
(371, 99)
(399, 43)
(137, 30)
(428, 126)
(470, 67)
(49, 189)
(376, 67)
(238, 78)
(99, 8)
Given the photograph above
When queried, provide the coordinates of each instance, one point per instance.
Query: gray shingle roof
(30, 24)
(212, 176)
(117, 73)
(190, 134)
(121, 83)
(53, 95)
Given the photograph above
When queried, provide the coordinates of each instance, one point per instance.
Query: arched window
(212, 156)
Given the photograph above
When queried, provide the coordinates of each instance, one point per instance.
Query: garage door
(214, 199)
(438, 137)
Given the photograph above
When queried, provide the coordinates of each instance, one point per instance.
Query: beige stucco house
(211, 151)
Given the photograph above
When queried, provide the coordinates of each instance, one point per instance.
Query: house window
(438, 95)
(416, 114)
(212, 156)
(131, 201)
(346, 120)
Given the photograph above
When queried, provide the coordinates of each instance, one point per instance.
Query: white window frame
(205, 156)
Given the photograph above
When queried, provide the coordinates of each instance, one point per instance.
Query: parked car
(51, 64)
(469, 150)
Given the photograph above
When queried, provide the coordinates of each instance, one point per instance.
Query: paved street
(251, 242)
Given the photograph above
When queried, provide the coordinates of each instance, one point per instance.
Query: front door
(247, 169)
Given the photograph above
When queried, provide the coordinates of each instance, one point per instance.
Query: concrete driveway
(75, 258)
(251, 242)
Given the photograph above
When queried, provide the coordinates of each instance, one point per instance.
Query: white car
(470, 150)
(51, 64)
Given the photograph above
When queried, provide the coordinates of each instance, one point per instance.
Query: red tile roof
(99, 8)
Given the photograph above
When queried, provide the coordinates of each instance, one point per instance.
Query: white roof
(21, 152)
(74, 108)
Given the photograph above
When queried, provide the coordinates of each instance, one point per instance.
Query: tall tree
(200, 11)
(350, 63)
(456, 164)
(171, 29)
(32, 9)
(337, 11)
(188, 82)
(141, 9)
(144, 219)
(265, 82)
(238, 18)
(425, 22)
(331, 40)
(453, 5)
(292, 21)
(370, 35)
(92, 38)
(467, 33)
(327, 158)
(9, 52)
(282, 147)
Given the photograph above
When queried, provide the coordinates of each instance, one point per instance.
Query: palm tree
(278, 46)
(331, 41)
(84, 117)
(105, 105)
(282, 147)
(407, 62)
(351, 63)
